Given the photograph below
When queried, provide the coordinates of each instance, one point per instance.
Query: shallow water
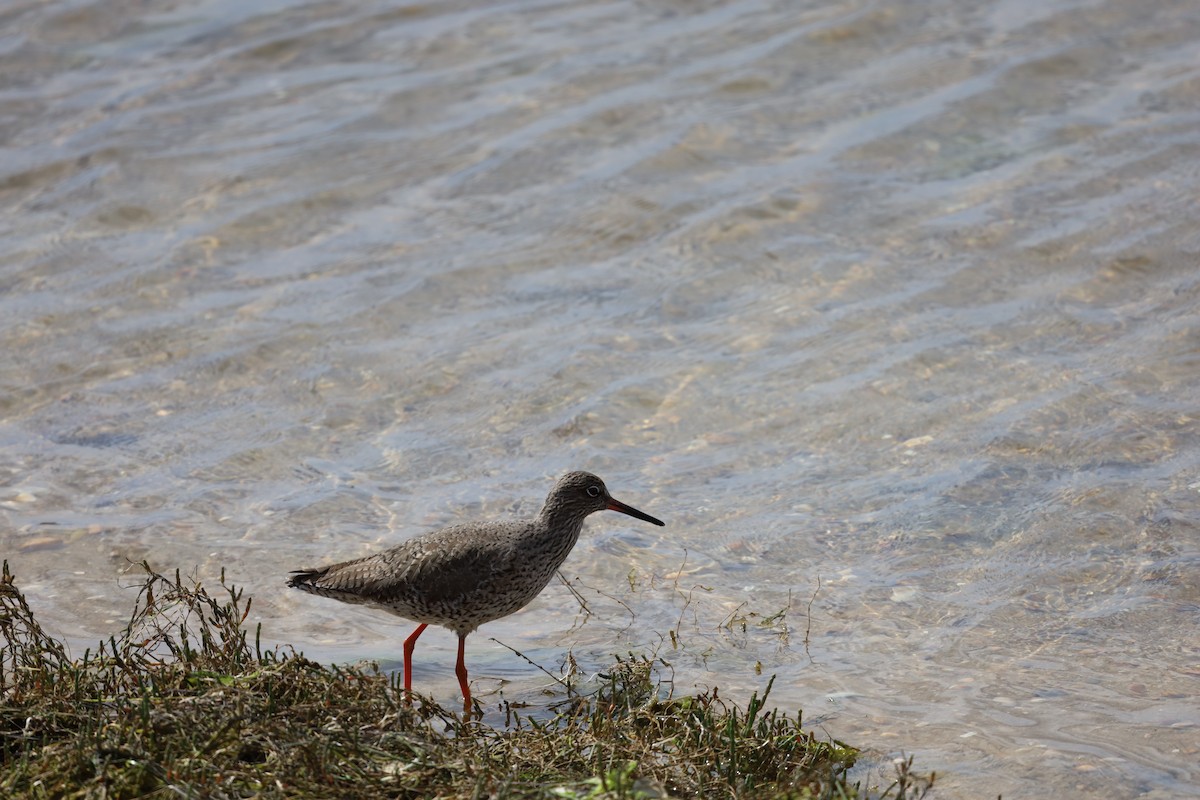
(889, 309)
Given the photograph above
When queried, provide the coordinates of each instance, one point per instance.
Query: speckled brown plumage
(462, 576)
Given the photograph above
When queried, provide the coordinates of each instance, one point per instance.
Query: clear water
(900, 297)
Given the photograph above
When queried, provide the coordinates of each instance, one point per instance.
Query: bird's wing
(443, 566)
(449, 575)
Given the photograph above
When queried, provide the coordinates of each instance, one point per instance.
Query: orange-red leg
(460, 670)
(409, 644)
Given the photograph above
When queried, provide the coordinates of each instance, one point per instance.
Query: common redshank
(464, 575)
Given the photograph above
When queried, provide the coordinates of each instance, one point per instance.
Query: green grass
(183, 703)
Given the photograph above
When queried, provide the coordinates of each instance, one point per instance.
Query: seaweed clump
(181, 703)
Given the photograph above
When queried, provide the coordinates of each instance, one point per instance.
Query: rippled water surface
(888, 308)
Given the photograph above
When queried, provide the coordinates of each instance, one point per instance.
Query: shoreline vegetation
(185, 702)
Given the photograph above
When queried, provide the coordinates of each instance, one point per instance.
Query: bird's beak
(617, 505)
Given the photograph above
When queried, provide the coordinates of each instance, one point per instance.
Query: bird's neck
(562, 518)
(560, 525)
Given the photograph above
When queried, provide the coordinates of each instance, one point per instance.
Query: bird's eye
(593, 491)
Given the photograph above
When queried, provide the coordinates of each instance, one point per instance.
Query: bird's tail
(306, 578)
